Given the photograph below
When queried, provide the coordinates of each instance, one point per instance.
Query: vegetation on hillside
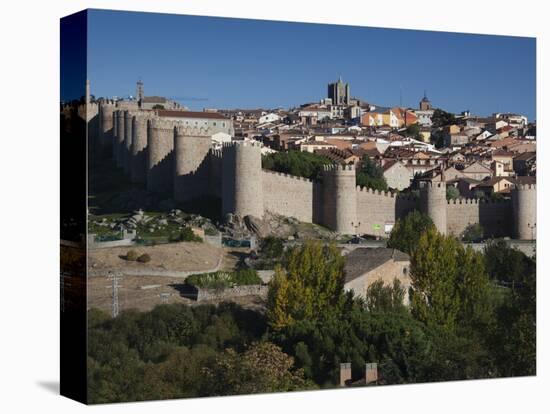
(371, 175)
(462, 323)
(222, 280)
(298, 163)
(407, 231)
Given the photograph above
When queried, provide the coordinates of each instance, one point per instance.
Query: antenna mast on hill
(115, 278)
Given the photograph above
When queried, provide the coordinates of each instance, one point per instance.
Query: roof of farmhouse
(365, 259)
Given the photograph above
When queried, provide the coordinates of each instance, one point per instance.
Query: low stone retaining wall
(109, 244)
(237, 291)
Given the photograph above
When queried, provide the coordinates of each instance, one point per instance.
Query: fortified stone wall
(191, 161)
(179, 160)
(288, 195)
(494, 216)
(106, 110)
(375, 209)
(138, 151)
(160, 161)
(128, 136)
(340, 199)
(118, 143)
(433, 202)
(215, 176)
(524, 211)
(242, 189)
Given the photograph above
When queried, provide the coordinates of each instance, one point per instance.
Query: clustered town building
(491, 161)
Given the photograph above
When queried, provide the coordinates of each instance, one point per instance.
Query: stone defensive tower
(524, 208)
(191, 148)
(138, 162)
(433, 202)
(242, 179)
(106, 110)
(340, 198)
(127, 148)
(118, 142)
(160, 144)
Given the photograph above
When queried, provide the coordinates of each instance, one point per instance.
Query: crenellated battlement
(193, 131)
(159, 124)
(372, 191)
(464, 200)
(216, 153)
(338, 168)
(284, 175)
(436, 184)
(525, 187)
(234, 144)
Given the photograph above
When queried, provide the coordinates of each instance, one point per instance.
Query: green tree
(441, 118)
(413, 131)
(272, 247)
(371, 175)
(450, 287)
(505, 263)
(310, 285)
(434, 295)
(380, 297)
(264, 367)
(452, 193)
(407, 231)
(297, 163)
(472, 233)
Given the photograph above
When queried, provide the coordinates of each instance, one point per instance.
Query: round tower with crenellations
(242, 187)
(106, 109)
(160, 155)
(127, 148)
(138, 162)
(340, 199)
(524, 207)
(433, 202)
(191, 148)
(119, 138)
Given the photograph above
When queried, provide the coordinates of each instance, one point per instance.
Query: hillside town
(479, 155)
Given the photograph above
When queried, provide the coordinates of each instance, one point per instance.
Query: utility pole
(115, 278)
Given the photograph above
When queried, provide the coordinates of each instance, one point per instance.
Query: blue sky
(229, 63)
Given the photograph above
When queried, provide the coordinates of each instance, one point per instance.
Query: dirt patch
(179, 257)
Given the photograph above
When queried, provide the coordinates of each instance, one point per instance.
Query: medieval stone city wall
(242, 185)
(176, 159)
(494, 216)
(524, 211)
(160, 144)
(375, 209)
(191, 162)
(288, 195)
(138, 161)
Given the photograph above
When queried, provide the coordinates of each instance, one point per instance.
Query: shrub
(188, 235)
(272, 247)
(222, 280)
(473, 233)
(144, 258)
(131, 255)
(452, 193)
